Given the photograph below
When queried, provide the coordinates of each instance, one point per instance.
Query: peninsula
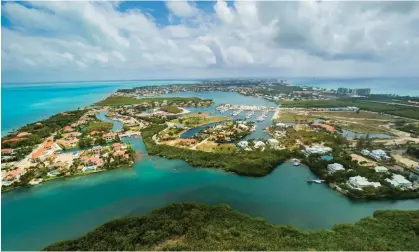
(198, 227)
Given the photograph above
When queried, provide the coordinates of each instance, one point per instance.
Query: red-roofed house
(324, 126)
(109, 137)
(6, 151)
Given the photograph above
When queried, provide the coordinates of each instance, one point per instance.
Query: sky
(75, 41)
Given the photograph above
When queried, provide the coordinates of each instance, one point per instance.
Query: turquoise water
(117, 125)
(37, 216)
(27, 103)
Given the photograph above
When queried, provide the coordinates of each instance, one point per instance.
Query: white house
(317, 149)
(381, 169)
(360, 182)
(283, 125)
(243, 144)
(365, 152)
(399, 181)
(379, 154)
(335, 167)
(259, 144)
(273, 142)
(243, 127)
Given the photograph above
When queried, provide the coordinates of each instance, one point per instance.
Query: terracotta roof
(6, 150)
(48, 143)
(38, 153)
(325, 126)
(15, 139)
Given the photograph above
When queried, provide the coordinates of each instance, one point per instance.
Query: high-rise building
(343, 91)
(355, 91)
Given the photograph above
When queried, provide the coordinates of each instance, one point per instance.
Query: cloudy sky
(67, 41)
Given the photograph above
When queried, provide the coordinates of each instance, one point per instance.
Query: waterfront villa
(317, 149)
(376, 154)
(273, 142)
(243, 144)
(109, 136)
(399, 181)
(259, 144)
(381, 169)
(335, 167)
(360, 182)
(324, 126)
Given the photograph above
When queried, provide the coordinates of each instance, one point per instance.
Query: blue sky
(70, 41)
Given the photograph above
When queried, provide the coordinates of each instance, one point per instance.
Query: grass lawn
(287, 116)
(351, 114)
(219, 148)
(194, 119)
(363, 128)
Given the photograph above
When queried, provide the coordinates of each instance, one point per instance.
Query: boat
(296, 162)
(317, 181)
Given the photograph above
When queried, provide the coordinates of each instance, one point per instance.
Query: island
(190, 226)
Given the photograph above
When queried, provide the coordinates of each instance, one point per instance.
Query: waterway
(35, 217)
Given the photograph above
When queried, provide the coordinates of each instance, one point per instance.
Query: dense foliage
(253, 163)
(413, 151)
(391, 109)
(191, 226)
(99, 126)
(123, 100)
(171, 109)
(43, 129)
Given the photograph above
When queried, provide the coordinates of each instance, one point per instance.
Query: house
(399, 181)
(68, 128)
(381, 169)
(109, 137)
(97, 149)
(243, 127)
(259, 144)
(335, 167)
(6, 151)
(324, 126)
(379, 155)
(282, 125)
(365, 152)
(243, 144)
(24, 134)
(317, 149)
(39, 155)
(273, 142)
(48, 144)
(360, 182)
(116, 146)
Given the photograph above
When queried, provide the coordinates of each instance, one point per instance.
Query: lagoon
(35, 217)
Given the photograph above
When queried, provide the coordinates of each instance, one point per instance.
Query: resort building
(381, 169)
(360, 182)
(335, 167)
(399, 181)
(243, 127)
(243, 144)
(317, 149)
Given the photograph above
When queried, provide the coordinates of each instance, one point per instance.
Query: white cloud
(181, 8)
(93, 40)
